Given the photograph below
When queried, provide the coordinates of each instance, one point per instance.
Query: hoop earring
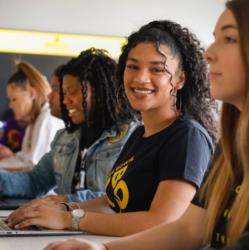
(174, 95)
(179, 102)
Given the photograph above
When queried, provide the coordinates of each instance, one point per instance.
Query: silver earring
(178, 100)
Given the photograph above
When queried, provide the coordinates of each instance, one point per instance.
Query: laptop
(6, 231)
(12, 203)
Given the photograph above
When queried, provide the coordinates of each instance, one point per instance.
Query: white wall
(108, 17)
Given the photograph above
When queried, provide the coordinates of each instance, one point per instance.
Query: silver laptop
(5, 231)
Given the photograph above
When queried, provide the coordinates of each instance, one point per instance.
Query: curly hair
(194, 98)
(96, 67)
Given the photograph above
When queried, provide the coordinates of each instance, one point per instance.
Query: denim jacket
(56, 168)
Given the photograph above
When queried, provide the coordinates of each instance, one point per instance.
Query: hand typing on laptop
(54, 198)
(40, 213)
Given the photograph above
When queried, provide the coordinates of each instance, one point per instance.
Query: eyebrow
(229, 26)
(152, 62)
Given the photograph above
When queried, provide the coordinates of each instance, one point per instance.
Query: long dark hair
(194, 98)
(96, 67)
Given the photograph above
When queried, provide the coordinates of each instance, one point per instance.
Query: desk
(39, 242)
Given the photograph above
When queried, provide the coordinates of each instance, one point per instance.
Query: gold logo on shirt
(120, 189)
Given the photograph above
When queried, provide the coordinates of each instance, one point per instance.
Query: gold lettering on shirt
(122, 201)
(123, 164)
(221, 238)
(120, 189)
(118, 175)
(226, 213)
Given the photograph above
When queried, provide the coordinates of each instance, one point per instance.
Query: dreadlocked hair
(194, 98)
(97, 68)
(70, 126)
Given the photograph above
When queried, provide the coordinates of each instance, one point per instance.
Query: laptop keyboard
(4, 226)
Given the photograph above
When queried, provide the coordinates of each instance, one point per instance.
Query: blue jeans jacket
(56, 168)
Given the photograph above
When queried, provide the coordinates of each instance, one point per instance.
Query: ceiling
(108, 17)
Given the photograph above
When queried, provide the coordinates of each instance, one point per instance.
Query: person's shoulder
(191, 126)
(190, 123)
(63, 136)
(61, 132)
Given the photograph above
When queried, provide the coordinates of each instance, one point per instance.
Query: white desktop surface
(39, 242)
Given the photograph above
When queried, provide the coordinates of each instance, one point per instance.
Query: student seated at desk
(83, 153)
(163, 162)
(28, 92)
(219, 214)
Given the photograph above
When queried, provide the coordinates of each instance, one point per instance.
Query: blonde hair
(30, 76)
(232, 164)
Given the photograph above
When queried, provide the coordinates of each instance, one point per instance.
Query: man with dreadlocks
(84, 152)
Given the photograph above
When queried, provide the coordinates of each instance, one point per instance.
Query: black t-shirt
(181, 151)
(219, 238)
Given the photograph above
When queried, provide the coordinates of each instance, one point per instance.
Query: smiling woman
(73, 99)
(147, 77)
(219, 217)
(164, 161)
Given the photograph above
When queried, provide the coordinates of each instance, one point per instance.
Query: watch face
(78, 213)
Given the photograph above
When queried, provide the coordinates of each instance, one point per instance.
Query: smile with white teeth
(143, 91)
(71, 111)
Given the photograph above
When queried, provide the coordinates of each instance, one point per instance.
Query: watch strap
(76, 218)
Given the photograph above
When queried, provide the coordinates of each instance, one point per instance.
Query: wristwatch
(77, 214)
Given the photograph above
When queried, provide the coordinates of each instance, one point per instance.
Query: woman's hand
(74, 244)
(54, 201)
(55, 198)
(45, 201)
(5, 152)
(39, 214)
